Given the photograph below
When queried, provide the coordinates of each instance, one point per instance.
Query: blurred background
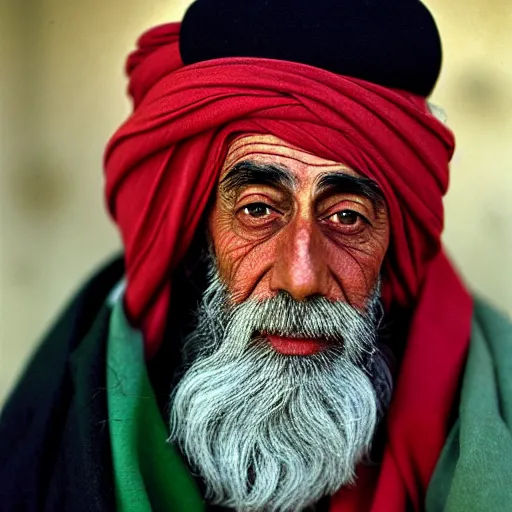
(62, 94)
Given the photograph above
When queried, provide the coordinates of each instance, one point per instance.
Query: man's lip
(296, 346)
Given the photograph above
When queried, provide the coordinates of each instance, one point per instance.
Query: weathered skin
(269, 238)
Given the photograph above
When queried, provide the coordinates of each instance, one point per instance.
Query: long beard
(273, 432)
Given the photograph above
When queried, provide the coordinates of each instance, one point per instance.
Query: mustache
(341, 325)
(316, 317)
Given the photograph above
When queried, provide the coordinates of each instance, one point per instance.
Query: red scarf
(163, 164)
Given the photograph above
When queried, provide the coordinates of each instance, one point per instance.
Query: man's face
(286, 220)
(284, 380)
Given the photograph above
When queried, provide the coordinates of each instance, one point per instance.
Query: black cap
(394, 43)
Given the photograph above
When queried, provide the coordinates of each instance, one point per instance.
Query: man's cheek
(356, 280)
(244, 266)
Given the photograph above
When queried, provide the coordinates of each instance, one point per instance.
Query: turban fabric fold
(163, 164)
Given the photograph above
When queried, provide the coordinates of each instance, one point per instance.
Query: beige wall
(63, 96)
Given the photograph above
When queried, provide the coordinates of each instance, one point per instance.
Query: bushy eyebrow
(340, 183)
(248, 173)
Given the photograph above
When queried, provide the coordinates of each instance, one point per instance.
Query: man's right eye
(257, 210)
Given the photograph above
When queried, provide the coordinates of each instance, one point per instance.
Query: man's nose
(300, 267)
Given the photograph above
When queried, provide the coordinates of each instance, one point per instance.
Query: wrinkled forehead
(268, 149)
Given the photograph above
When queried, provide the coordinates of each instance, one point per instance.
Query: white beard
(270, 432)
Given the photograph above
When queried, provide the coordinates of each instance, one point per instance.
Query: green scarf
(474, 472)
(149, 475)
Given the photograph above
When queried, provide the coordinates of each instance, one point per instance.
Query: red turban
(163, 164)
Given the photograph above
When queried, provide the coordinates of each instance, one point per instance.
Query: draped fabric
(163, 164)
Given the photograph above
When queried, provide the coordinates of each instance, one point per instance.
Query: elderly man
(285, 332)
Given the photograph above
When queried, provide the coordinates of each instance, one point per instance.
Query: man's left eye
(257, 210)
(346, 218)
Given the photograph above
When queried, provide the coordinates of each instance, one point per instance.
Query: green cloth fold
(149, 474)
(474, 472)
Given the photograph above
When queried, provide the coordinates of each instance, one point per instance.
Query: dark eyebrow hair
(248, 172)
(338, 182)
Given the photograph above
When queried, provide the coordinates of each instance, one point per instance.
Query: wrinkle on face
(309, 232)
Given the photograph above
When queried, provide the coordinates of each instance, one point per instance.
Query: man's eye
(345, 217)
(257, 210)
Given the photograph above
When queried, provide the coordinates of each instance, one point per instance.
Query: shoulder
(492, 328)
(64, 336)
(473, 472)
(52, 393)
(486, 312)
